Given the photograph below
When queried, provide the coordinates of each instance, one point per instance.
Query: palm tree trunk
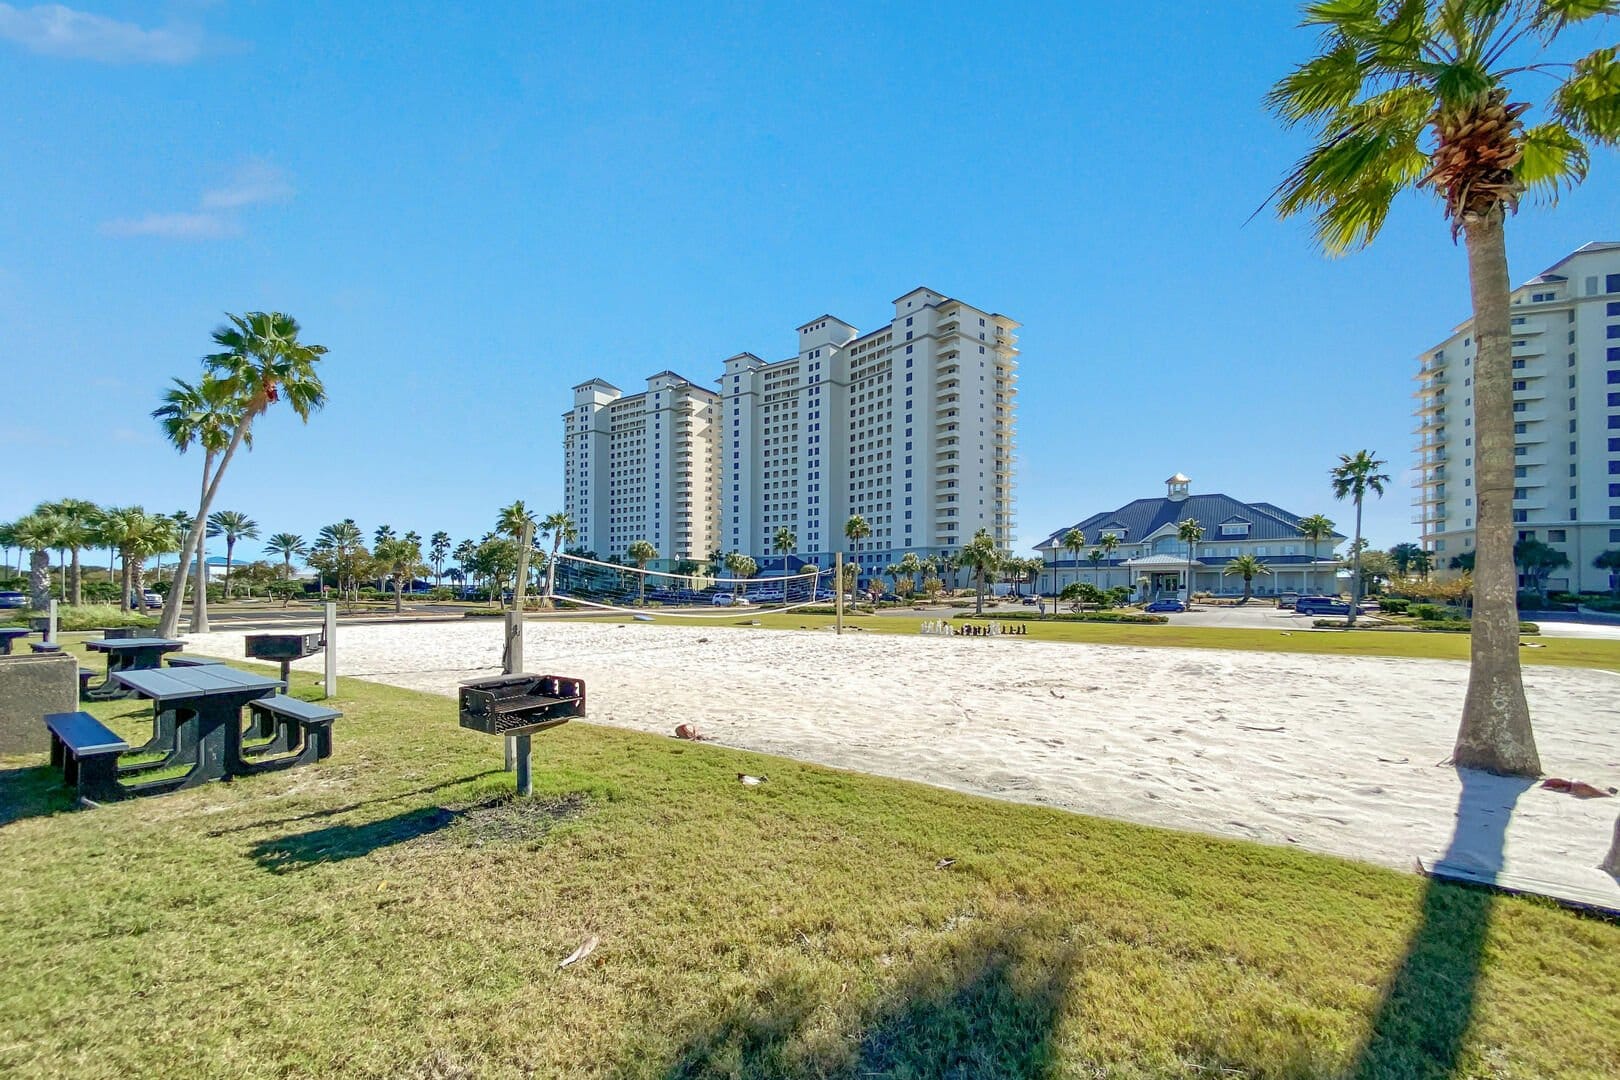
(124, 583)
(169, 623)
(398, 598)
(77, 571)
(230, 549)
(199, 594)
(1355, 570)
(39, 580)
(1495, 733)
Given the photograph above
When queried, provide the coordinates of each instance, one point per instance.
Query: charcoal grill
(284, 647)
(519, 706)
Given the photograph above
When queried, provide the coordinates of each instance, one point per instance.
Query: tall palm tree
(286, 545)
(438, 552)
(560, 527)
(1353, 478)
(856, 529)
(1109, 544)
(1189, 532)
(36, 534)
(463, 553)
(59, 544)
(400, 558)
(78, 520)
(8, 540)
(980, 555)
(1250, 568)
(262, 362)
(1073, 541)
(742, 568)
(233, 525)
(344, 539)
(1316, 528)
(641, 553)
(1095, 556)
(1417, 94)
(785, 543)
(381, 534)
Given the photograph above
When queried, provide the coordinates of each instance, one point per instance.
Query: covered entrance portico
(1159, 575)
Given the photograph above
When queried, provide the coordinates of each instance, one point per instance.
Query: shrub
(1084, 616)
(441, 593)
(1394, 605)
(87, 617)
(828, 609)
(99, 592)
(1429, 612)
(1442, 626)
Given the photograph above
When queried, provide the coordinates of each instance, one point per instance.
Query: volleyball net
(696, 595)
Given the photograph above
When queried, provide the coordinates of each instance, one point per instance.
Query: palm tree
(36, 534)
(286, 545)
(343, 539)
(438, 551)
(400, 559)
(262, 363)
(136, 535)
(856, 529)
(1109, 544)
(1073, 541)
(1353, 477)
(59, 545)
(641, 553)
(1422, 563)
(1189, 532)
(78, 520)
(1610, 561)
(1316, 528)
(980, 555)
(1095, 557)
(1417, 95)
(560, 527)
(463, 553)
(1405, 556)
(8, 540)
(233, 525)
(1248, 566)
(785, 543)
(742, 568)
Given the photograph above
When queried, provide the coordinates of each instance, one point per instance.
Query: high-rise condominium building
(908, 427)
(643, 467)
(1566, 418)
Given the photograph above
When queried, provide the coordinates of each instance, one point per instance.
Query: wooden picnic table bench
(86, 751)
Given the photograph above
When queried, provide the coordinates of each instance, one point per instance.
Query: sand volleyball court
(1337, 755)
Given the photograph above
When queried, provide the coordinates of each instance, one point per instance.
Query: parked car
(13, 600)
(1321, 605)
(1168, 604)
(723, 599)
(150, 598)
(1031, 601)
(1287, 600)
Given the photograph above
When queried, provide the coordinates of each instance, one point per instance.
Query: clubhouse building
(1152, 559)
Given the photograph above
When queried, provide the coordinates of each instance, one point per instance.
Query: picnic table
(127, 654)
(8, 634)
(203, 707)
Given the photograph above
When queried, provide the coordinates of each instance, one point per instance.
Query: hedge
(1084, 616)
(1443, 626)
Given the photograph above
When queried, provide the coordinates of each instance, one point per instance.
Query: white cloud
(178, 226)
(252, 183)
(57, 30)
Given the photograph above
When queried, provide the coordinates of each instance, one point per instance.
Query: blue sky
(476, 209)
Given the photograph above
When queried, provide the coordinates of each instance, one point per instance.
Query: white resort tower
(1566, 413)
(643, 467)
(910, 426)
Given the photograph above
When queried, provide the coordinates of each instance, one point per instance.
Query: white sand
(1333, 754)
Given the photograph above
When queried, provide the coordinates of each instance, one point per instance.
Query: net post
(838, 589)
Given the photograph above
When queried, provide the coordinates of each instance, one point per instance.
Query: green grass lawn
(395, 912)
(1562, 652)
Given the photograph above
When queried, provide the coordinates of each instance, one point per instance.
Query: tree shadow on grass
(1423, 1021)
(500, 819)
(988, 1009)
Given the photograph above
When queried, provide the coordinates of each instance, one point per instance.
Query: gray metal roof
(1144, 517)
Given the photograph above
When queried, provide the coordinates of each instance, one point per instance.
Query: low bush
(71, 619)
(1394, 605)
(1609, 605)
(828, 609)
(1442, 626)
(1083, 616)
(1428, 612)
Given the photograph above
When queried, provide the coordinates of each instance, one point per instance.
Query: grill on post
(284, 647)
(520, 705)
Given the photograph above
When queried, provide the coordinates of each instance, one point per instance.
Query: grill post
(525, 780)
(512, 664)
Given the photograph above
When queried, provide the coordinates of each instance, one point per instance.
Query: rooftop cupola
(1176, 487)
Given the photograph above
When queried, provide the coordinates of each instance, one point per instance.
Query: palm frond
(1552, 158)
(1589, 101)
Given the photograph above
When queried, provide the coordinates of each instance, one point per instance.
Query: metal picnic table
(203, 709)
(8, 634)
(127, 654)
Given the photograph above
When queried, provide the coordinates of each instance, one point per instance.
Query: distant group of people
(942, 628)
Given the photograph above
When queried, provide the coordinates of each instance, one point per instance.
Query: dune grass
(395, 911)
(1559, 652)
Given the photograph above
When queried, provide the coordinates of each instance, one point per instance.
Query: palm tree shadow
(32, 791)
(987, 1010)
(1423, 1020)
